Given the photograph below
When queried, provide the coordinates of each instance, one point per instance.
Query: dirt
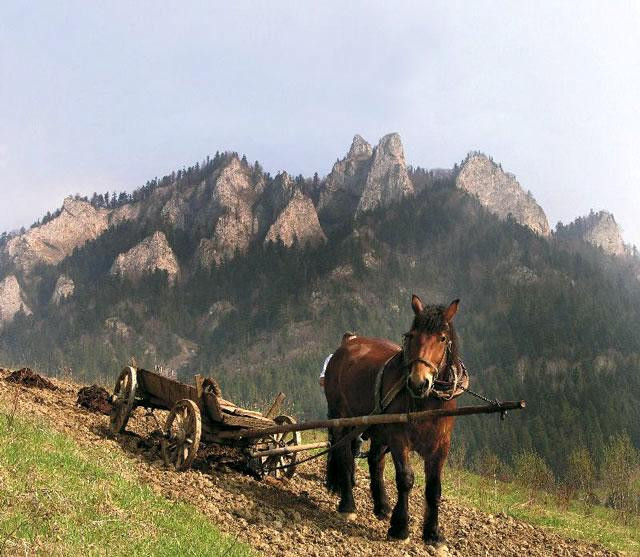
(287, 518)
(95, 399)
(29, 378)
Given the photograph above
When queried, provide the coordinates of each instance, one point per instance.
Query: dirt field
(288, 518)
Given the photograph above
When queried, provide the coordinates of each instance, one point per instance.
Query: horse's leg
(432, 474)
(399, 528)
(376, 459)
(345, 467)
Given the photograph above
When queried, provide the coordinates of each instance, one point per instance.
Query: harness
(451, 377)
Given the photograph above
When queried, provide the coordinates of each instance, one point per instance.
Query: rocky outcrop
(153, 253)
(599, 229)
(501, 193)
(234, 197)
(297, 222)
(11, 300)
(343, 187)
(78, 223)
(174, 212)
(387, 180)
(65, 287)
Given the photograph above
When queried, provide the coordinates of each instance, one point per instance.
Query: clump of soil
(29, 378)
(96, 399)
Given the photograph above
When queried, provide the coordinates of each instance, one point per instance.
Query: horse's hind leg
(376, 459)
(399, 528)
(344, 467)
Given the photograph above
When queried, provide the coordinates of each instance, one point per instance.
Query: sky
(98, 96)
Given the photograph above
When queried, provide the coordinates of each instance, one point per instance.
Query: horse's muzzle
(422, 390)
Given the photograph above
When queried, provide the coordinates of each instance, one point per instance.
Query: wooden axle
(292, 449)
(374, 419)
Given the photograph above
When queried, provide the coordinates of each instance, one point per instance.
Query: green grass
(59, 499)
(592, 523)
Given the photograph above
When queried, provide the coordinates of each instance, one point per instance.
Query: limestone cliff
(297, 222)
(11, 300)
(233, 197)
(50, 243)
(343, 187)
(501, 193)
(65, 287)
(153, 253)
(78, 223)
(387, 179)
(599, 229)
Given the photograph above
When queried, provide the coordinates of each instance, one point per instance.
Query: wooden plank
(246, 421)
(288, 450)
(199, 380)
(275, 407)
(375, 419)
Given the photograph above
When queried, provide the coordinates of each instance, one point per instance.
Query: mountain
(501, 193)
(599, 229)
(224, 270)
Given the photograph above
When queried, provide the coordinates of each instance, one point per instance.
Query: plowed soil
(290, 518)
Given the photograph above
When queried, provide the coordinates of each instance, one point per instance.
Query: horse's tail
(333, 468)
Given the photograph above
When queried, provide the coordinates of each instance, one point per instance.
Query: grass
(59, 499)
(577, 519)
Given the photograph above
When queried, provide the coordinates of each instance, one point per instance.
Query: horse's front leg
(399, 528)
(376, 458)
(433, 489)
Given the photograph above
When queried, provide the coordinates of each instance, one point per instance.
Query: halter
(408, 363)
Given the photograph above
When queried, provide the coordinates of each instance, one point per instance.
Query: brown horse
(430, 347)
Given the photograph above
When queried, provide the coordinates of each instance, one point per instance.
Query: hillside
(224, 270)
(288, 518)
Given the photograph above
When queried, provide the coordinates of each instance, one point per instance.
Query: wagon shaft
(374, 419)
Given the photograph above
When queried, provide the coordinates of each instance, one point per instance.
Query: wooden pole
(288, 450)
(374, 419)
(275, 407)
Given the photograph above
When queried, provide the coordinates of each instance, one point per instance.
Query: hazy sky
(103, 96)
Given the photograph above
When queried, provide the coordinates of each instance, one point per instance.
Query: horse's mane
(431, 320)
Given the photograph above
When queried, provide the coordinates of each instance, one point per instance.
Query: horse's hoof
(435, 539)
(398, 535)
(382, 515)
(349, 517)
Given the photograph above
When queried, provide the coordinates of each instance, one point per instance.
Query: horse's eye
(443, 338)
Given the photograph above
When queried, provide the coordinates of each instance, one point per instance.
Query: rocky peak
(501, 193)
(11, 300)
(343, 187)
(78, 223)
(360, 149)
(234, 196)
(599, 229)
(65, 287)
(153, 253)
(297, 222)
(387, 180)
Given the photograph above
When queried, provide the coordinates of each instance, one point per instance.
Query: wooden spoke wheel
(123, 399)
(281, 466)
(183, 430)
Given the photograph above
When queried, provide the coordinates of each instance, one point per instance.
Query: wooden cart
(197, 413)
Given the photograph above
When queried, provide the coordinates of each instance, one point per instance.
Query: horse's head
(428, 344)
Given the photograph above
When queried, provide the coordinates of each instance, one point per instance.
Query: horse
(353, 374)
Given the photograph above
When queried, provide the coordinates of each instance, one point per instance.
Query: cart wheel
(282, 466)
(182, 435)
(123, 399)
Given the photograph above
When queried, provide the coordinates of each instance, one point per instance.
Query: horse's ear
(450, 312)
(417, 305)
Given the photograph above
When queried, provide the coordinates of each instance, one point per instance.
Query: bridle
(408, 362)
